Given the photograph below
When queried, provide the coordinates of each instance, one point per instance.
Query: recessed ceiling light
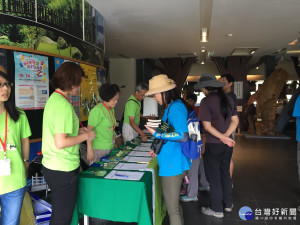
(229, 35)
(243, 51)
(202, 63)
(203, 35)
(293, 52)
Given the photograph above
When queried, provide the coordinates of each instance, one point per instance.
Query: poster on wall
(89, 91)
(74, 99)
(238, 89)
(94, 26)
(31, 80)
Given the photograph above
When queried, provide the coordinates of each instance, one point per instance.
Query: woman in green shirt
(60, 144)
(14, 152)
(102, 120)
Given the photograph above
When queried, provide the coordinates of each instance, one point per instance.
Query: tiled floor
(265, 177)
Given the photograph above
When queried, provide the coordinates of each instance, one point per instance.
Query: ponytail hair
(173, 95)
(225, 106)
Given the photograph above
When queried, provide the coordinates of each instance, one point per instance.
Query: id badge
(5, 168)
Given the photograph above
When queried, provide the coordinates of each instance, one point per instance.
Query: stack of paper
(153, 123)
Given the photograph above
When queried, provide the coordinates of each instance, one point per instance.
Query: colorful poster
(31, 80)
(74, 99)
(89, 91)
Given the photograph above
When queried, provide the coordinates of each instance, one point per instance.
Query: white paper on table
(124, 175)
(138, 153)
(137, 159)
(150, 107)
(131, 166)
(146, 144)
(142, 148)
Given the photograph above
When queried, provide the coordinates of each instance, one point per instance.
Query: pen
(120, 175)
(143, 162)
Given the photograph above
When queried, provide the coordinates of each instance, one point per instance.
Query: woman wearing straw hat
(172, 163)
(218, 115)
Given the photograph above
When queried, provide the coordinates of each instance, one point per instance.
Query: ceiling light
(294, 42)
(293, 52)
(257, 67)
(243, 51)
(204, 35)
(203, 50)
(202, 63)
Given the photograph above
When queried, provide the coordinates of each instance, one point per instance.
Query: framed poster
(31, 80)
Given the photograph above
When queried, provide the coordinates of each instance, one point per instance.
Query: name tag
(5, 168)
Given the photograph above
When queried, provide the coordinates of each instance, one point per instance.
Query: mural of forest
(55, 31)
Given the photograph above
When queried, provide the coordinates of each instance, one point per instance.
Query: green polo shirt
(103, 122)
(132, 108)
(59, 118)
(15, 131)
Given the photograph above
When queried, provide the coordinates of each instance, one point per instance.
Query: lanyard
(4, 144)
(111, 116)
(70, 103)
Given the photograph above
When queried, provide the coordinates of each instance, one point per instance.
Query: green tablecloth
(121, 200)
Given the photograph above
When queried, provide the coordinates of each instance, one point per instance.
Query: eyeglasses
(7, 84)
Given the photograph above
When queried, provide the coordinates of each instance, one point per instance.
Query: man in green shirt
(132, 114)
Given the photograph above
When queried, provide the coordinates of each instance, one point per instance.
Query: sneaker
(229, 209)
(207, 211)
(185, 198)
(201, 188)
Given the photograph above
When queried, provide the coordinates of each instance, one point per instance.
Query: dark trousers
(216, 163)
(64, 186)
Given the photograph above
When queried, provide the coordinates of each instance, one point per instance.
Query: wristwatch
(25, 160)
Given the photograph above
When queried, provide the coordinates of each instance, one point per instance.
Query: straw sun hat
(160, 83)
